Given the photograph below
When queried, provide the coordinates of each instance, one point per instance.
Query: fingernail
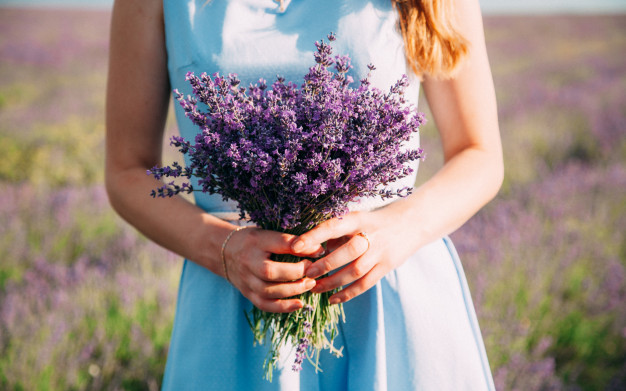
(319, 253)
(297, 245)
(309, 283)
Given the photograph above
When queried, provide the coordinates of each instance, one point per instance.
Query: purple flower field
(86, 303)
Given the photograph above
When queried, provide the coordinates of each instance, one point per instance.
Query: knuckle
(285, 238)
(347, 296)
(267, 292)
(352, 248)
(267, 271)
(327, 265)
(358, 269)
(252, 235)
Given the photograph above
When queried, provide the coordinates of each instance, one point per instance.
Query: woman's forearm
(174, 223)
(138, 95)
(445, 202)
(464, 109)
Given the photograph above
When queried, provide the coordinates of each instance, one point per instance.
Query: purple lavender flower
(303, 342)
(311, 150)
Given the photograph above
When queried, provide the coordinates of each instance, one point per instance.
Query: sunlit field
(86, 303)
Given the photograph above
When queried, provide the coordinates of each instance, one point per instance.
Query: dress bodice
(256, 39)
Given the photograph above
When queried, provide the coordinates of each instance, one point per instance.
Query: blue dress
(414, 330)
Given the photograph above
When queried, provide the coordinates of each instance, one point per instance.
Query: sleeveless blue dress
(416, 329)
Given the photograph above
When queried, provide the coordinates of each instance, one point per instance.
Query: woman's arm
(464, 110)
(138, 94)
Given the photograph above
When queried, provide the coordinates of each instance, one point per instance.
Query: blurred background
(86, 303)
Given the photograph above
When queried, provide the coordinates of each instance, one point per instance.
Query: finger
(278, 305)
(273, 271)
(349, 274)
(351, 250)
(311, 252)
(284, 290)
(329, 229)
(280, 243)
(359, 286)
(333, 244)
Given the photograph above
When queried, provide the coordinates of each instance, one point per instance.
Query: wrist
(223, 250)
(403, 221)
(208, 240)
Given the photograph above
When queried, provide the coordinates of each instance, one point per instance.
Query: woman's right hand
(266, 283)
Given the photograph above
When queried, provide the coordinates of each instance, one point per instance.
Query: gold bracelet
(224, 248)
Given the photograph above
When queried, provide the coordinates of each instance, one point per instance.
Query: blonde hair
(433, 46)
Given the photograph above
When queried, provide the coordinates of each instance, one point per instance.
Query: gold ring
(364, 236)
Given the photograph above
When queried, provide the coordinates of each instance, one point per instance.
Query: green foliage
(114, 336)
(70, 153)
(62, 230)
(18, 94)
(557, 283)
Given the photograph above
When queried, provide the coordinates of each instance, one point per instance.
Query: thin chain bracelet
(230, 235)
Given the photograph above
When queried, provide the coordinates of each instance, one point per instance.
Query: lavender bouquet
(291, 158)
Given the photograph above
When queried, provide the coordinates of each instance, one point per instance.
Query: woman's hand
(363, 259)
(266, 283)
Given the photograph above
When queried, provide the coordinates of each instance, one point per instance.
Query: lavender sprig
(292, 157)
(303, 343)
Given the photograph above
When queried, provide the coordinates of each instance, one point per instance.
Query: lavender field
(87, 304)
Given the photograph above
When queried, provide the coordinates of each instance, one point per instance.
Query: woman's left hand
(359, 260)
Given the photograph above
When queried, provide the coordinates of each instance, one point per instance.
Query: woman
(410, 321)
